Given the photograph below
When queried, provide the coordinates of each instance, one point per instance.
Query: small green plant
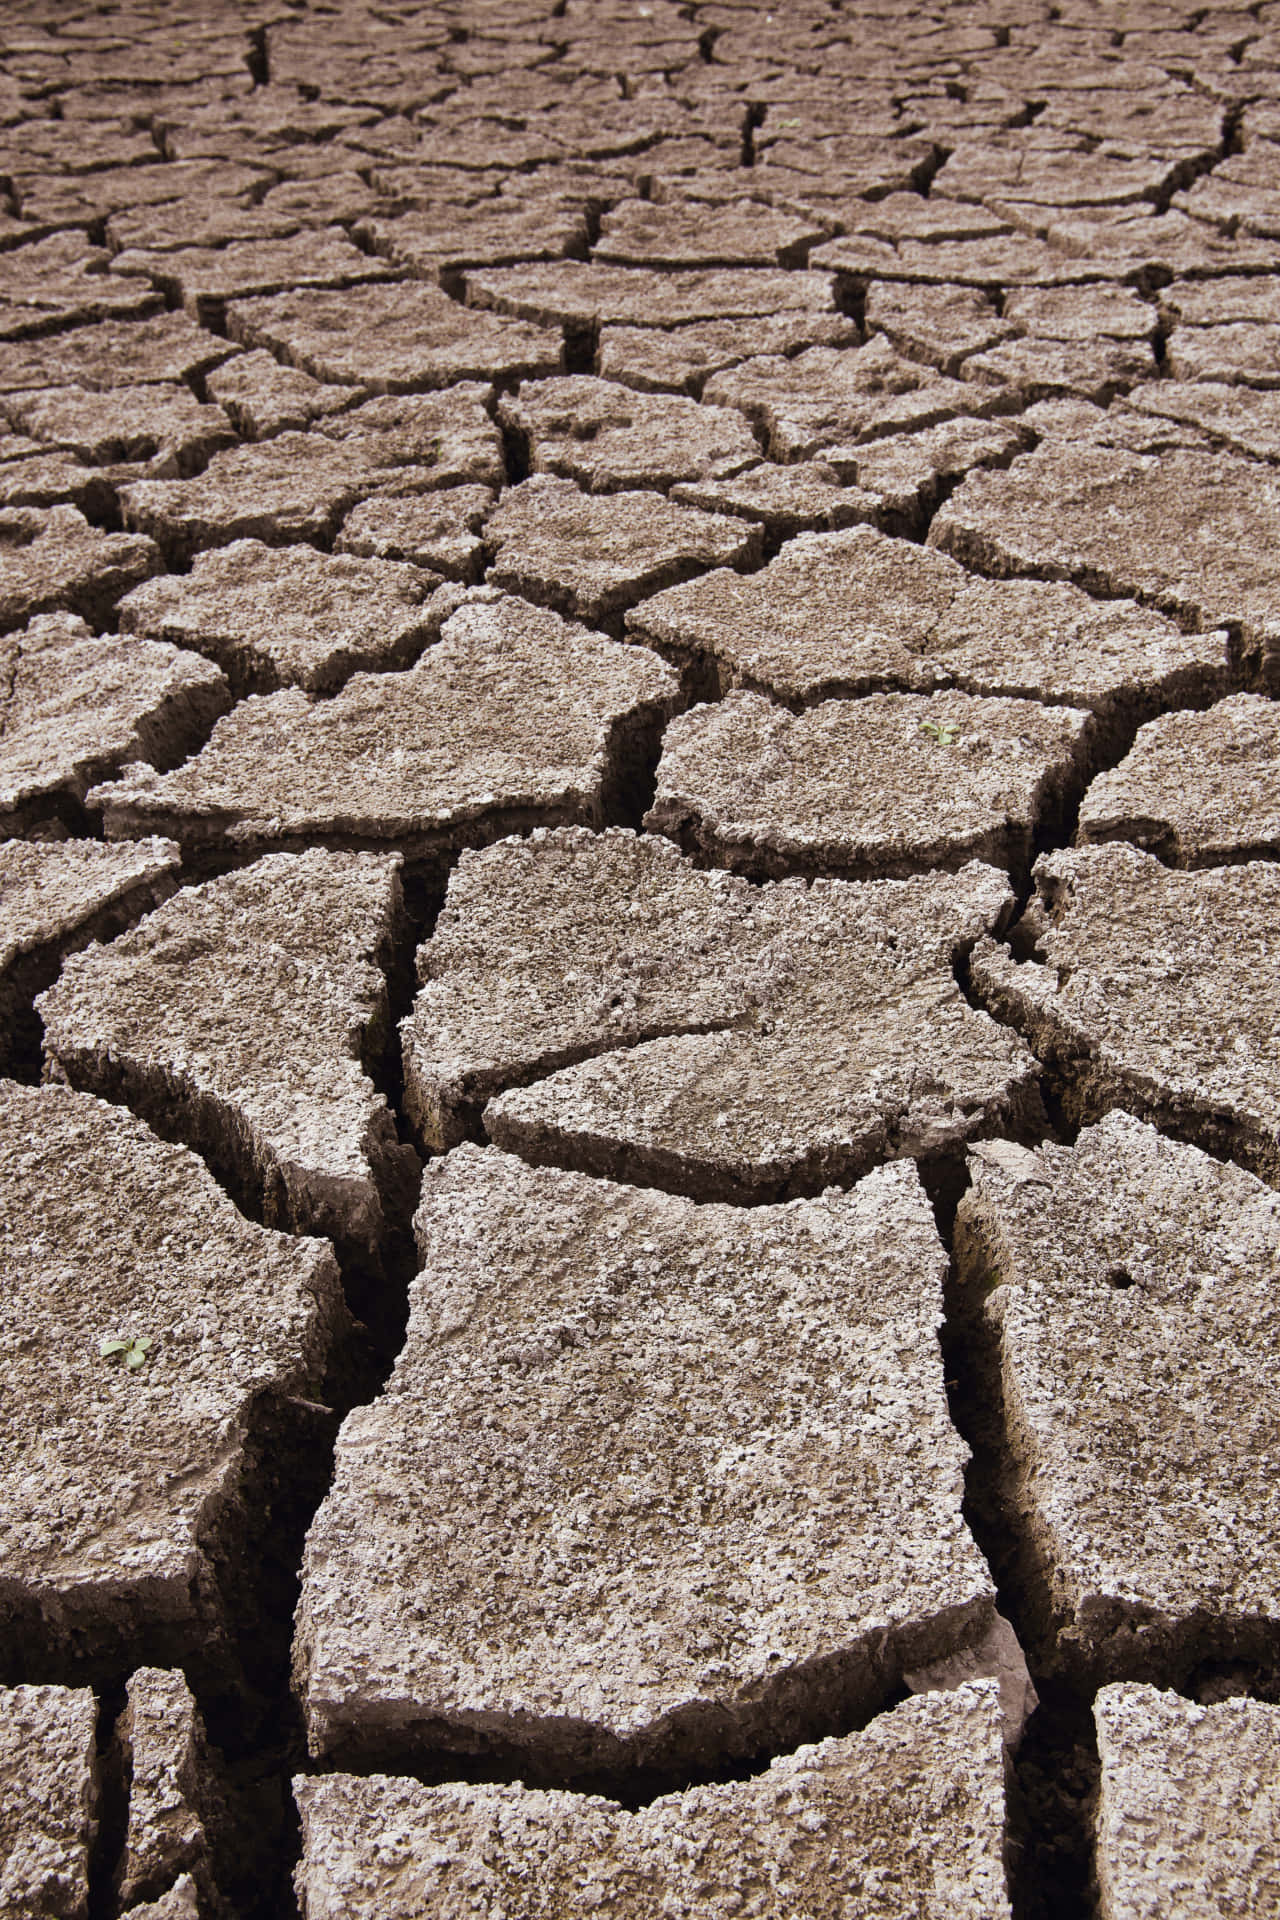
(132, 1351)
(789, 123)
(944, 735)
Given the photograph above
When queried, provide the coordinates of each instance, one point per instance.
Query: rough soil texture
(1188, 1818)
(1132, 1320)
(693, 1599)
(49, 1813)
(913, 1808)
(649, 631)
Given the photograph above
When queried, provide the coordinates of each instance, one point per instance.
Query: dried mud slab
(203, 279)
(912, 1809)
(806, 498)
(824, 1031)
(1197, 789)
(515, 717)
(263, 398)
(242, 1017)
(76, 707)
(300, 486)
(894, 784)
(592, 555)
(289, 616)
(638, 233)
(439, 531)
(61, 280)
(1038, 369)
(828, 399)
(438, 243)
(857, 611)
(1196, 534)
(582, 296)
(608, 437)
(178, 1810)
(1188, 1817)
(508, 1600)
(165, 347)
(401, 338)
(154, 422)
(56, 896)
(1130, 1285)
(1240, 419)
(127, 1494)
(49, 1809)
(1151, 990)
(681, 359)
(54, 561)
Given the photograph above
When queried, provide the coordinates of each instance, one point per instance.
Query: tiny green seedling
(943, 735)
(132, 1351)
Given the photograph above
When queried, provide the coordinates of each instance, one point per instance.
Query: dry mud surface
(639, 1028)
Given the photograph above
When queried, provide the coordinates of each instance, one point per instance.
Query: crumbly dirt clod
(912, 1809)
(1189, 1806)
(690, 1603)
(895, 784)
(76, 708)
(243, 1016)
(514, 717)
(825, 1030)
(49, 1808)
(125, 1496)
(1152, 990)
(1129, 1285)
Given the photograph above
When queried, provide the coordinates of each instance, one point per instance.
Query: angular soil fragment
(300, 486)
(76, 707)
(591, 555)
(807, 498)
(49, 1808)
(1130, 1285)
(403, 338)
(167, 347)
(240, 1017)
(126, 1492)
(288, 616)
(154, 422)
(584, 296)
(824, 398)
(636, 233)
(911, 1806)
(1188, 1817)
(514, 717)
(857, 611)
(891, 785)
(1196, 534)
(177, 1808)
(439, 243)
(682, 359)
(1242, 420)
(827, 1031)
(436, 530)
(1152, 990)
(1197, 789)
(204, 279)
(688, 1605)
(262, 397)
(55, 561)
(1038, 369)
(56, 896)
(608, 437)
(910, 472)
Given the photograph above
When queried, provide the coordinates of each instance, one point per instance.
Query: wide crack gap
(1054, 1770)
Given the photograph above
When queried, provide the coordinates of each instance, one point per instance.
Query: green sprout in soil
(132, 1351)
(945, 736)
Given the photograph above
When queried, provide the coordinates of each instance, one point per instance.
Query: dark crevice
(256, 59)
(1053, 1776)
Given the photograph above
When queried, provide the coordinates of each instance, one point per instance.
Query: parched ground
(639, 925)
